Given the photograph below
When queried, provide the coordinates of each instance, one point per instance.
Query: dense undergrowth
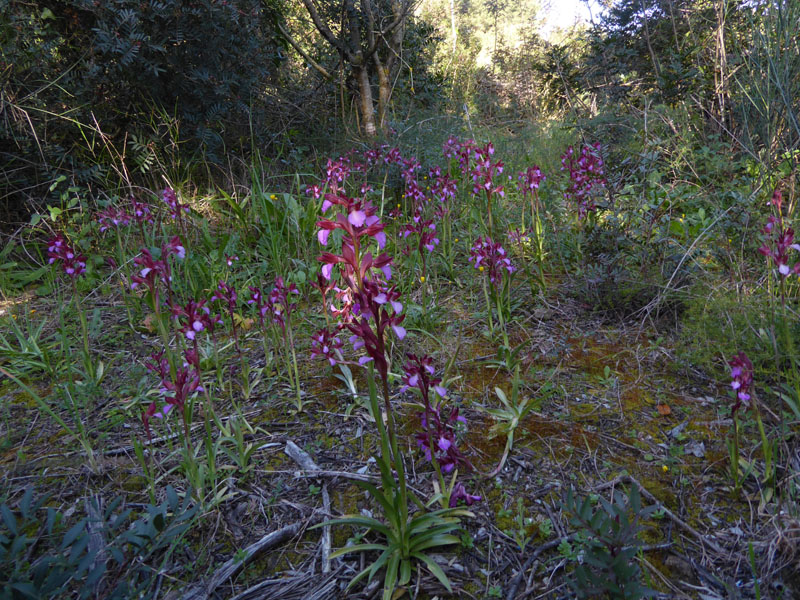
(419, 303)
(474, 332)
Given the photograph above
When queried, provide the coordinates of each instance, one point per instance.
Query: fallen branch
(303, 459)
(334, 475)
(234, 565)
(512, 590)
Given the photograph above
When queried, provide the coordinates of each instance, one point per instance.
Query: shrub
(609, 566)
(131, 68)
(38, 560)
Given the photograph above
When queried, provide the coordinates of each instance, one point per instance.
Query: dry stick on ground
(235, 564)
(97, 540)
(302, 458)
(293, 588)
(512, 590)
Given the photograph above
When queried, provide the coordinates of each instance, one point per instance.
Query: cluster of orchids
(118, 217)
(491, 258)
(586, 175)
(464, 151)
(779, 240)
(352, 170)
(114, 217)
(72, 262)
(365, 305)
(358, 271)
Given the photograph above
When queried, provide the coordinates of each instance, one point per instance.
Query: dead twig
(512, 590)
(303, 459)
(235, 564)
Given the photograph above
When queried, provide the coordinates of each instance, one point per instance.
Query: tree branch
(318, 67)
(326, 32)
(399, 20)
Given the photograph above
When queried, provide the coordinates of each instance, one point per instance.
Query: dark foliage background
(84, 79)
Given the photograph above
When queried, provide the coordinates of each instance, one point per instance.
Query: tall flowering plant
(325, 342)
(227, 298)
(483, 178)
(155, 275)
(490, 258)
(444, 189)
(175, 207)
(586, 171)
(424, 232)
(375, 306)
(178, 390)
(437, 437)
(529, 182)
(73, 263)
(281, 306)
(258, 302)
(743, 400)
(373, 316)
(193, 318)
(780, 249)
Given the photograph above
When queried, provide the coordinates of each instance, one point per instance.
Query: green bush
(39, 560)
(81, 80)
(608, 567)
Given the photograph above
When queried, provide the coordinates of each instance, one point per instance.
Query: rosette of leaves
(609, 567)
(406, 539)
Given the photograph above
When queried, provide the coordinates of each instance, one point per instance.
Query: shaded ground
(619, 404)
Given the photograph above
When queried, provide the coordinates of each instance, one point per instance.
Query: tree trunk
(384, 91)
(453, 30)
(721, 65)
(656, 66)
(365, 102)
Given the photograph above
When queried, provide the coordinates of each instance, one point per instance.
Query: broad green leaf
(434, 568)
(382, 559)
(390, 579)
(435, 542)
(356, 548)
(367, 522)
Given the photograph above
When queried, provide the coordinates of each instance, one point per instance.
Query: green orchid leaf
(356, 548)
(391, 576)
(435, 569)
(434, 542)
(367, 522)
